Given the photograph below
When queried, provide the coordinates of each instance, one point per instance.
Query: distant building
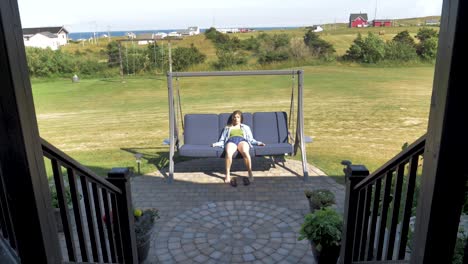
(174, 34)
(358, 20)
(432, 22)
(228, 30)
(45, 37)
(382, 23)
(130, 35)
(160, 35)
(317, 29)
(190, 31)
(145, 39)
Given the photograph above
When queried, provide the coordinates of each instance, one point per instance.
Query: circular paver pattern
(233, 232)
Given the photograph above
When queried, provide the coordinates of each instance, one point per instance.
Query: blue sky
(104, 15)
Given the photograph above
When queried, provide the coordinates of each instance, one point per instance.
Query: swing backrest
(201, 129)
(270, 127)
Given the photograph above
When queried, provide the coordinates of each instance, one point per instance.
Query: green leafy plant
(53, 192)
(323, 228)
(320, 198)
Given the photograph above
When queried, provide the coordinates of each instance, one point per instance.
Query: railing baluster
(60, 187)
(383, 216)
(408, 205)
(396, 209)
(7, 225)
(89, 217)
(109, 223)
(375, 213)
(97, 208)
(358, 224)
(75, 195)
(365, 223)
(117, 227)
(101, 197)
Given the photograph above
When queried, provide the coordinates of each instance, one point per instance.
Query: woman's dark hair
(237, 112)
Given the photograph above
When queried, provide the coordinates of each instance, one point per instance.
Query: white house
(160, 35)
(317, 29)
(46, 37)
(174, 34)
(145, 39)
(190, 31)
(228, 30)
(194, 30)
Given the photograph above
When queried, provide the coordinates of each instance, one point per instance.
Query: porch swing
(201, 130)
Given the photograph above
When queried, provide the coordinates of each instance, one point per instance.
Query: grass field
(363, 114)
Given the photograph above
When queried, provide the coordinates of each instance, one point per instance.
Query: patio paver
(204, 220)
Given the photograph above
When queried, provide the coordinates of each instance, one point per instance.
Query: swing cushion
(272, 129)
(200, 131)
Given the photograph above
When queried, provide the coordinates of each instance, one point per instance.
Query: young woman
(237, 136)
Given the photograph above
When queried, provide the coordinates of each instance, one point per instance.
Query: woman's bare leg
(244, 148)
(230, 148)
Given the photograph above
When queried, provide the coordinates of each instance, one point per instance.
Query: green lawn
(363, 114)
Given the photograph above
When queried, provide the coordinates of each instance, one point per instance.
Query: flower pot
(58, 218)
(143, 246)
(329, 255)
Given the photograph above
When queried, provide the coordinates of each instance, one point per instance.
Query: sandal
(233, 182)
(246, 181)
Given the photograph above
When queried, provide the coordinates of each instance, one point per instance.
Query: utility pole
(108, 33)
(170, 56)
(375, 12)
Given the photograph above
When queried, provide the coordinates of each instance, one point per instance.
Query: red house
(382, 23)
(358, 20)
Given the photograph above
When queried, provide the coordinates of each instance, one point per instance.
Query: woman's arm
(222, 139)
(249, 137)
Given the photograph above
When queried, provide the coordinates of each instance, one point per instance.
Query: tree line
(231, 53)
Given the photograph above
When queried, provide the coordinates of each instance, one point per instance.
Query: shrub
(401, 51)
(250, 44)
(404, 37)
(298, 49)
(426, 33)
(318, 46)
(272, 56)
(229, 58)
(321, 198)
(373, 49)
(427, 49)
(186, 57)
(112, 51)
(323, 228)
(354, 52)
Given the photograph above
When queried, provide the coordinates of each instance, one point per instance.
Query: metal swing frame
(299, 139)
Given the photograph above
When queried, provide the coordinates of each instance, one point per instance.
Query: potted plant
(323, 229)
(319, 199)
(144, 222)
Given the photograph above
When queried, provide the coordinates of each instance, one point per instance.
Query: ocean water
(87, 35)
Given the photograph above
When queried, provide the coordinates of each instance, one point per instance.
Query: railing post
(354, 174)
(120, 177)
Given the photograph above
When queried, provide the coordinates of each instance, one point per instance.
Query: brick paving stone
(203, 220)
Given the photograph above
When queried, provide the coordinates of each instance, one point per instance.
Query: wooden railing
(6, 226)
(100, 210)
(378, 208)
